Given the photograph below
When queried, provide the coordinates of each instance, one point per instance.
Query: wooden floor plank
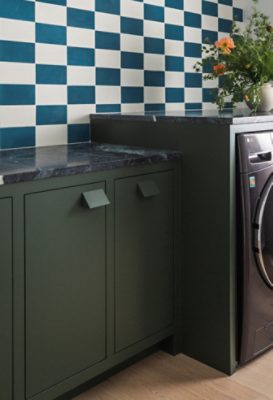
(163, 377)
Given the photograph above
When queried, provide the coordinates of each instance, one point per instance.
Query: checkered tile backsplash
(61, 60)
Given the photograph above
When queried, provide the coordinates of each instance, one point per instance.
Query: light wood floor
(163, 377)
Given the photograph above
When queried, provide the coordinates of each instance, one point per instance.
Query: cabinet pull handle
(95, 198)
(148, 189)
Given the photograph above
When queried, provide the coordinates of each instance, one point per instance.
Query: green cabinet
(65, 248)
(6, 331)
(144, 264)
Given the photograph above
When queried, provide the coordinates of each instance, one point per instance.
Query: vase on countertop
(266, 95)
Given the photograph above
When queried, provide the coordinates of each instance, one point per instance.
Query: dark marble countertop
(31, 164)
(225, 117)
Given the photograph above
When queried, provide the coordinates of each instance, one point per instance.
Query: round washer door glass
(263, 233)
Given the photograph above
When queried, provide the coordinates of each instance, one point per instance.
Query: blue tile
(209, 95)
(51, 74)
(209, 36)
(11, 138)
(52, 34)
(17, 9)
(155, 107)
(209, 8)
(173, 63)
(108, 76)
(154, 46)
(108, 6)
(51, 115)
(132, 60)
(17, 51)
(193, 50)
(154, 78)
(80, 18)
(226, 2)
(78, 133)
(153, 13)
(132, 26)
(80, 56)
(178, 4)
(224, 25)
(106, 108)
(238, 14)
(193, 106)
(174, 32)
(81, 94)
(17, 95)
(132, 95)
(193, 80)
(107, 40)
(192, 19)
(58, 2)
(174, 95)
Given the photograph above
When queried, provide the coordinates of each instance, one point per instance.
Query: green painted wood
(208, 315)
(144, 269)
(65, 286)
(6, 299)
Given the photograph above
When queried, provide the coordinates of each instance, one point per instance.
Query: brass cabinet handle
(95, 198)
(148, 188)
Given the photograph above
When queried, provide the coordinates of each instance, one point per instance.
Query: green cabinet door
(144, 270)
(6, 299)
(65, 284)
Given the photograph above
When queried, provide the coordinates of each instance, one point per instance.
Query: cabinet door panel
(6, 299)
(65, 286)
(144, 274)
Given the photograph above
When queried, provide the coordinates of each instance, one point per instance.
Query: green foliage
(247, 66)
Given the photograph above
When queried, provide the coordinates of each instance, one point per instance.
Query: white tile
(107, 58)
(139, 107)
(80, 75)
(210, 23)
(51, 94)
(51, 54)
(174, 48)
(154, 62)
(225, 12)
(174, 79)
(107, 22)
(210, 84)
(17, 73)
(132, 77)
(50, 14)
(108, 95)
(79, 113)
(82, 4)
(189, 63)
(16, 30)
(174, 16)
(193, 6)
(175, 106)
(79, 37)
(160, 3)
(154, 29)
(210, 106)
(132, 43)
(154, 95)
(193, 95)
(13, 116)
(51, 135)
(192, 35)
(132, 9)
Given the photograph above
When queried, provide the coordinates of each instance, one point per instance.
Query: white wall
(265, 6)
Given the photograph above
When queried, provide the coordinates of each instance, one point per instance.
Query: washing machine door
(263, 233)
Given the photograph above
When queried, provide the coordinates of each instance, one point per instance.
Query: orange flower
(219, 69)
(225, 45)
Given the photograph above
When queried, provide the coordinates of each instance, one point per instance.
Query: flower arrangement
(243, 61)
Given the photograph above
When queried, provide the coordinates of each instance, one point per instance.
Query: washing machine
(255, 243)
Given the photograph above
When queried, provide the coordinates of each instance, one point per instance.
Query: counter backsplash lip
(225, 117)
(30, 164)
